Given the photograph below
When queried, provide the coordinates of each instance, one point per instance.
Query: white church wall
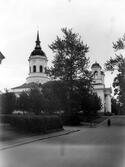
(108, 103)
(37, 61)
(37, 79)
(100, 94)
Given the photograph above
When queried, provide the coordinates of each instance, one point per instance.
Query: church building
(37, 74)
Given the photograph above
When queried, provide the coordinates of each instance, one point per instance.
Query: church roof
(26, 85)
(96, 65)
(37, 50)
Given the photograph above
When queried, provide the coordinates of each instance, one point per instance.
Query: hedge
(33, 123)
(70, 120)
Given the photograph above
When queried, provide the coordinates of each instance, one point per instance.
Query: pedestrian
(109, 122)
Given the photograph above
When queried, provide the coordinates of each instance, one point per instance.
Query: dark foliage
(118, 64)
(32, 123)
(70, 119)
(91, 104)
(23, 102)
(70, 62)
(54, 93)
(82, 100)
(36, 100)
(8, 102)
(115, 106)
(70, 65)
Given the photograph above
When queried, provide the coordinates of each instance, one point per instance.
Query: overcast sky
(99, 22)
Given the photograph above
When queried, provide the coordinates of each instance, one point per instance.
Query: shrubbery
(33, 123)
(70, 119)
(8, 102)
(108, 114)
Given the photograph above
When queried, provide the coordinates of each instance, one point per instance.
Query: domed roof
(96, 65)
(37, 50)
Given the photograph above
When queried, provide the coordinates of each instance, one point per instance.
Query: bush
(8, 102)
(70, 119)
(108, 114)
(33, 123)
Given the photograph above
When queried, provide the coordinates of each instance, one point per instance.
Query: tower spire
(38, 35)
(37, 50)
(38, 41)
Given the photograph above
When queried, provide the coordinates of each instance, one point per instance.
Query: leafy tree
(54, 95)
(118, 64)
(36, 100)
(23, 102)
(8, 101)
(83, 99)
(91, 104)
(70, 63)
(115, 106)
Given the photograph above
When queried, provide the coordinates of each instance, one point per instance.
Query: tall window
(30, 69)
(41, 68)
(96, 74)
(34, 68)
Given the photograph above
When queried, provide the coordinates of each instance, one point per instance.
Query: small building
(99, 87)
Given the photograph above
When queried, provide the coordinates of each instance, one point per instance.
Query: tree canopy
(8, 102)
(118, 64)
(70, 65)
(70, 61)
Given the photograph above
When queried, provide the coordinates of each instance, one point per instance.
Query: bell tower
(98, 82)
(37, 64)
(98, 74)
(99, 87)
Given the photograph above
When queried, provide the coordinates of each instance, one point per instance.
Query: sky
(99, 23)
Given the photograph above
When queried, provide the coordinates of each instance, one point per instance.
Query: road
(90, 147)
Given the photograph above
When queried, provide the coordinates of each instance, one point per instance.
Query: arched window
(96, 74)
(34, 68)
(41, 69)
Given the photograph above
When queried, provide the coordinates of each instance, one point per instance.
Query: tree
(115, 106)
(70, 63)
(91, 105)
(118, 64)
(36, 100)
(8, 102)
(54, 93)
(23, 102)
